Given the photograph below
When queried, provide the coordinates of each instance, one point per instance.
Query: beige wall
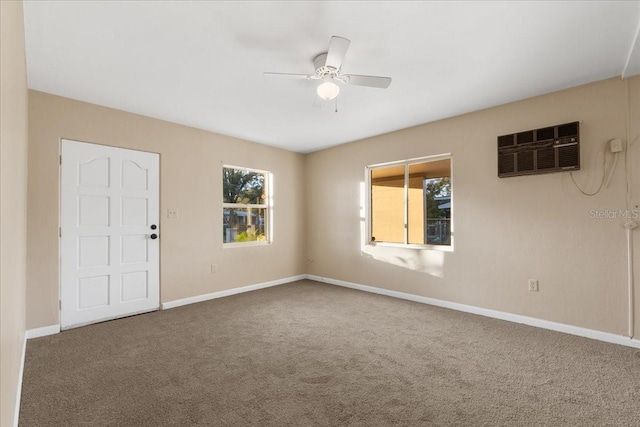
(190, 174)
(506, 231)
(13, 203)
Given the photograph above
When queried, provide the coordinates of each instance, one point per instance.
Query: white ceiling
(200, 63)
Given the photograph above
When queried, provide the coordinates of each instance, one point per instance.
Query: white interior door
(109, 237)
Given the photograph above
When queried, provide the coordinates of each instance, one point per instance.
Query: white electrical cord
(604, 167)
(613, 167)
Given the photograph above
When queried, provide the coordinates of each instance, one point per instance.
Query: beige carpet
(310, 354)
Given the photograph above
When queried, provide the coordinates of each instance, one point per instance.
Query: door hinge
(59, 231)
(60, 158)
(59, 304)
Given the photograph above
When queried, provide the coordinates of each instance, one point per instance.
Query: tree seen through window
(245, 205)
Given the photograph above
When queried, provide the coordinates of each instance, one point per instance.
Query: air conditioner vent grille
(546, 133)
(570, 129)
(506, 163)
(525, 137)
(505, 141)
(546, 158)
(544, 150)
(568, 156)
(525, 161)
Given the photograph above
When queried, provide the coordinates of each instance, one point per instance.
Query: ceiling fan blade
(337, 49)
(371, 81)
(289, 75)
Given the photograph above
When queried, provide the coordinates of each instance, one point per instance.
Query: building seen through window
(410, 202)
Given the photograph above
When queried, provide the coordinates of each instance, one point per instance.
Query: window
(245, 206)
(410, 202)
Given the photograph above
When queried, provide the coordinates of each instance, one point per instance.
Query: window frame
(267, 206)
(406, 163)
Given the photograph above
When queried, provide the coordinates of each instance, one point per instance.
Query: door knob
(154, 236)
(153, 226)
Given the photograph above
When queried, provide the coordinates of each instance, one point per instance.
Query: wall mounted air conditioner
(550, 149)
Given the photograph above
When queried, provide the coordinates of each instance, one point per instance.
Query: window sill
(245, 244)
(442, 248)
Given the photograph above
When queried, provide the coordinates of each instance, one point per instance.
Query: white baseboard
(54, 329)
(42, 332)
(516, 318)
(16, 410)
(229, 292)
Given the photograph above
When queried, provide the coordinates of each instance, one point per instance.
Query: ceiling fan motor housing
(322, 70)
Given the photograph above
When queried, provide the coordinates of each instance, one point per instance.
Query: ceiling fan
(328, 70)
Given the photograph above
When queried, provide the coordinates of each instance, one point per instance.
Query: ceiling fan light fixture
(327, 67)
(328, 90)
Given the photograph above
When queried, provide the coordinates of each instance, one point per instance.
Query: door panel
(109, 263)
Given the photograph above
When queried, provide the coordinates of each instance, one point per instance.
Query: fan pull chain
(336, 104)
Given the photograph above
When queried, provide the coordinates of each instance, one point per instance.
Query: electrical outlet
(533, 285)
(616, 145)
(213, 268)
(172, 213)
